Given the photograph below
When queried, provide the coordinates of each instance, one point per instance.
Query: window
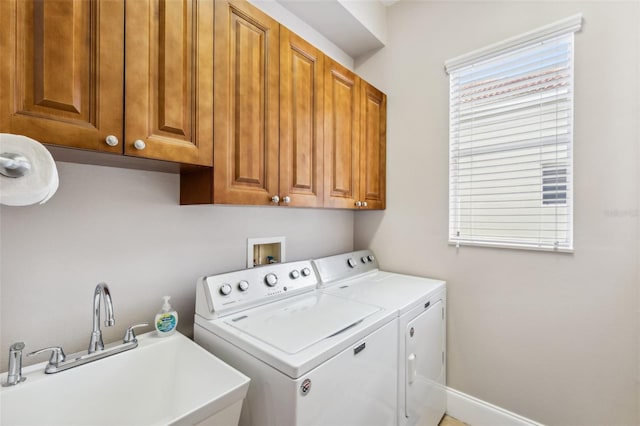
(554, 184)
(511, 142)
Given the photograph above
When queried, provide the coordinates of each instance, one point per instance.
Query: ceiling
(337, 21)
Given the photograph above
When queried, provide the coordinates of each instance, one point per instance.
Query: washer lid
(297, 325)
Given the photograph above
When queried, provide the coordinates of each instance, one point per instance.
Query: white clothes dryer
(313, 358)
(420, 305)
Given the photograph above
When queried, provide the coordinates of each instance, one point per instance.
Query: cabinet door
(168, 84)
(62, 71)
(341, 136)
(301, 120)
(373, 147)
(246, 63)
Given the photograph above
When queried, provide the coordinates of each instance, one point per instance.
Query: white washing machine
(420, 305)
(313, 358)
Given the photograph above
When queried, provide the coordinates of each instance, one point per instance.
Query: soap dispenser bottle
(166, 320)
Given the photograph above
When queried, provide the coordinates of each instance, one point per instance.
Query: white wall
(125, 227)
(553, 337)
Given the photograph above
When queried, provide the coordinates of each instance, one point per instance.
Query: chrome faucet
(96, 344)
(60, 362)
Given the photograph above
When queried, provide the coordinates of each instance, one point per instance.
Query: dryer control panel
(223, 294)
(344, 266)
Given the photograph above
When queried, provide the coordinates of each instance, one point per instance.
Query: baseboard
(476, 412)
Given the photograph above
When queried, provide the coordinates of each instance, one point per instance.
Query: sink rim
(218, 399)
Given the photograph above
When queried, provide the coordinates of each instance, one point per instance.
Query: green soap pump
(167, 319)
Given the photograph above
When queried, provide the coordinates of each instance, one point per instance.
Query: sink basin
(168, 380)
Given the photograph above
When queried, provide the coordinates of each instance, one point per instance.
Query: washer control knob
(306, 272)
(294, 274)
(351, 262)
(364, 259)
(225, 289)
(271, 279)
(243, 285)
(371, 258)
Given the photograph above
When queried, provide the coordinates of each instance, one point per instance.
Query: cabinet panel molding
(169, 72)
(61, 22)
(246, 104)
(176, 33)
(341, 136)
(59, 71)
(301, 121)
(249, 117)
(373, 147)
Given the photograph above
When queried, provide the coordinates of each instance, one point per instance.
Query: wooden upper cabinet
(245, 105)
(62, 71)
(205, 83)
(341, 136)
(63, 78)
(301, 121)
(373, 147)
(169, 80)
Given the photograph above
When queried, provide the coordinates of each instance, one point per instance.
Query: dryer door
(425, 396)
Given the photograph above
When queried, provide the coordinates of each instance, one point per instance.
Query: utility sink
(169, 380)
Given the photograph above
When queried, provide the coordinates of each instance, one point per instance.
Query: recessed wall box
(265, 251)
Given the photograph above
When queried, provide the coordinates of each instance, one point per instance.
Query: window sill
(457, 244)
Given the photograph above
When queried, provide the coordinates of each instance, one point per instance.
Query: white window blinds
(511, 122)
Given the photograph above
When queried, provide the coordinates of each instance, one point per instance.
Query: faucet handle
(130, 335)
(57, 354)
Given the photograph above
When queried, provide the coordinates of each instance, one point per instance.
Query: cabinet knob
(286, 199)
(275, 199)
(139, 144)
(364, 204)
(358, 204)
(112, 140)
